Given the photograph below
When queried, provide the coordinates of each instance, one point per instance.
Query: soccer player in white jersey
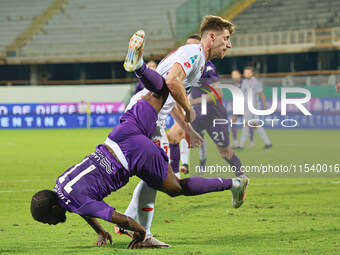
(180, 69)
(251, 82)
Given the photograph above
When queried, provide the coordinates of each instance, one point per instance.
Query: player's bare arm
(128, 223)
(191, 136)
(103, 236)
(123, 221)
(174, 81)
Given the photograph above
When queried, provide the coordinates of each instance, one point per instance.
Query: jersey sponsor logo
(193, 58)
(103, 161)
(209, 68)
(187, 64)
(202, 69)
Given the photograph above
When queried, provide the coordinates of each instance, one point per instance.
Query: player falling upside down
(219, 134)
(127, 151)
(181, 69)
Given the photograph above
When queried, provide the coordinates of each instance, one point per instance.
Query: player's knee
(226, 152)
(171, 138)
(175, 189)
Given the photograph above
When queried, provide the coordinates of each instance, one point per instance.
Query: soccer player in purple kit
(127, 151)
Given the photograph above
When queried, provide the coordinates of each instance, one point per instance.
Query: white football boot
(151, 242)
(134, 57)
(239, 190)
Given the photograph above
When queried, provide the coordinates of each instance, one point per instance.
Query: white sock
(131, 210)
(262, 133)
(184, 152)
(203, 150)
(244, 136)
(146, 205)
(143, 197)
(236, 184)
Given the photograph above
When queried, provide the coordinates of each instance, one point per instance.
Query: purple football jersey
(218, 133)
(133, 136)
(208, 77)
(82, 187)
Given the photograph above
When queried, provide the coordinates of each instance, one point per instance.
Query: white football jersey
(256, 87)
(192, 59)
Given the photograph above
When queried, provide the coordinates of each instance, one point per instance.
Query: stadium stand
(16, 16)
(99, 30)
(271, 26)
(62, 41)
(275, 15)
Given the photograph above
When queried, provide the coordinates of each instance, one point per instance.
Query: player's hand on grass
(103, 237)
(137, 240)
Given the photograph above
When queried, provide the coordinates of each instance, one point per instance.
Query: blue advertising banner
(325, 115)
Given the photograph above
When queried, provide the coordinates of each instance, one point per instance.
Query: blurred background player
(139, 86)
(219, 134)
(237, 79)
(251, 82)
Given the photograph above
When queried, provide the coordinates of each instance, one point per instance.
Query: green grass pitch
(280, 216)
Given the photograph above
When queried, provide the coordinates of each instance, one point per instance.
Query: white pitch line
(10, 191)
(34, 180)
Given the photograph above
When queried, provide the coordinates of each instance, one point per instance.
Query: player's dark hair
(195, 36)
(215, 23)
(249, 68)
(42, 203)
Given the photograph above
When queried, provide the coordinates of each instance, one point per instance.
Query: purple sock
(175, 157)
(251, 132)
(234, 130)
(236, 164)
(151, 80)
(198, 185)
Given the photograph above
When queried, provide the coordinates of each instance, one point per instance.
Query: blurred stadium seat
(63, 41)
(101, 29)
(16, 15)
